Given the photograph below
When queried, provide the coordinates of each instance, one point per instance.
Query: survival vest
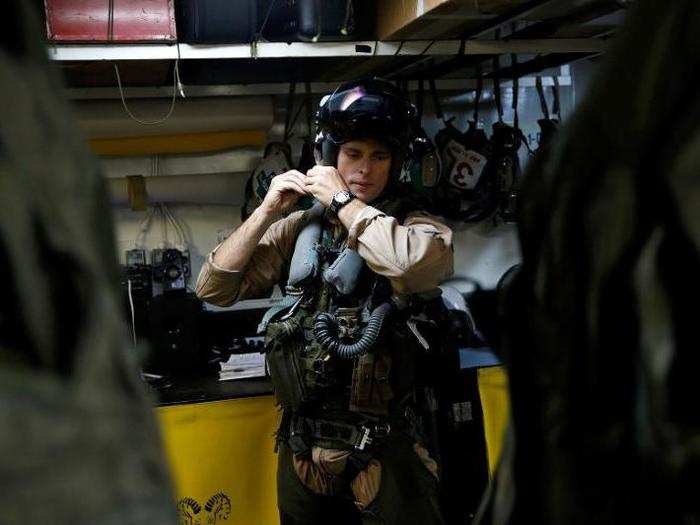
(327, 346)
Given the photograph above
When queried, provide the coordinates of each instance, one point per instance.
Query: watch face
(342, 197)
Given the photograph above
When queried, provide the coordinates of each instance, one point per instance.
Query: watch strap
(336, 205)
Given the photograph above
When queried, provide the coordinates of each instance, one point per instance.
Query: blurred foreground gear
(79, 442)
(601, 340)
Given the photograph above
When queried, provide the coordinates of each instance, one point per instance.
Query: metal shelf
(282, 88)
(267, 50)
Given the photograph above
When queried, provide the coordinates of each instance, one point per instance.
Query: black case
(239, 21)
(217, 21)
(307, 19)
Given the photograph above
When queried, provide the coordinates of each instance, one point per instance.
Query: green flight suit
(78, 439)
(601, 342)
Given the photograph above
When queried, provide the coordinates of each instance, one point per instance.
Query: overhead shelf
(269, 50)
(282, 88)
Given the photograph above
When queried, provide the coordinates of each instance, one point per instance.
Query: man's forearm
(350, 211)
(235, 252)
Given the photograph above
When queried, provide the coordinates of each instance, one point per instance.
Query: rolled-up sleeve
(415, 256)
(223, 287)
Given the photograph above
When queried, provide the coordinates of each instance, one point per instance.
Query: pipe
(231, 161)
(179, 144)
(218, 188)
(107, 119)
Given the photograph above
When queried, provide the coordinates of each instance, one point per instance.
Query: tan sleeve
(416, 255)
(222, 287)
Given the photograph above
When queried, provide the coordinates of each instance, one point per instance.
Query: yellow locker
(222, 460)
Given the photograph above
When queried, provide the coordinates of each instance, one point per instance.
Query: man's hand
(285, 190)
(322, 182)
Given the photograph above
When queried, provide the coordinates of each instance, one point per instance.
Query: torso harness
(328, 355)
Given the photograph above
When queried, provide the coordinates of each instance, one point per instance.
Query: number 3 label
(467, 168)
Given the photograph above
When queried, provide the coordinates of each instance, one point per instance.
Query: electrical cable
(144, 226)
(163, 225)
(168, 216)
(349, 11)
(259, 36)
(176, 81)
(179, 228)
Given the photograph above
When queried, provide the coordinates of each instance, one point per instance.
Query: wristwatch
(340, 198)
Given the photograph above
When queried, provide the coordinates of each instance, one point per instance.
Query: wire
(163, 225)
(259, 36)
(176, 81)
(133, 313)
(167, 215)
(143, 228)
(177, 224)
(349, 11)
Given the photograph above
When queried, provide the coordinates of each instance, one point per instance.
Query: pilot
(343, 358)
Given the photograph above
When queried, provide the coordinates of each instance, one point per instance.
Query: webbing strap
(497, 87)
(543, 100)
(419, 101)
(308, 102)
(516, 89)
(478, 93)
(436, 101)
(556, 106)
(290, 109)
(287, 302)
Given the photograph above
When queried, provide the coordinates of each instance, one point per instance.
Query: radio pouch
(282, 348)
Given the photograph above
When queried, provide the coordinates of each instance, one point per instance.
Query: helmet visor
(357, 112)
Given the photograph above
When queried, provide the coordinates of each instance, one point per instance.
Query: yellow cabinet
(222, 460)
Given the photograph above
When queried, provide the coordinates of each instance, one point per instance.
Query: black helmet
(370, 108)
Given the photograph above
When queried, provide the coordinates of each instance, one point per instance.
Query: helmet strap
(329, 153)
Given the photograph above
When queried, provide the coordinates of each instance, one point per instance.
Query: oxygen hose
(326, 333)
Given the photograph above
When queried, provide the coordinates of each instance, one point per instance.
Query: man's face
(365, 167)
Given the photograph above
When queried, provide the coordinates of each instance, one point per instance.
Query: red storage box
(110, 20)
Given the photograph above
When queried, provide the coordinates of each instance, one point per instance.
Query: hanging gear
(422, 166)
(506, 142)
(306, 159)
(276, 160)
(548, 125)
(549, 130)
(466, 186)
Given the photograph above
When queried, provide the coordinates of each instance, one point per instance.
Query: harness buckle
(365, 438)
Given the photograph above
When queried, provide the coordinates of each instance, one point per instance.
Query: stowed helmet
(370, 108)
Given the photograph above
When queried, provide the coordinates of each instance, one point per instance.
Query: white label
(467, 166)
(240, 366)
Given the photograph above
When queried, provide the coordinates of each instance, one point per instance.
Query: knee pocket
(366, 484)
(311, 476)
